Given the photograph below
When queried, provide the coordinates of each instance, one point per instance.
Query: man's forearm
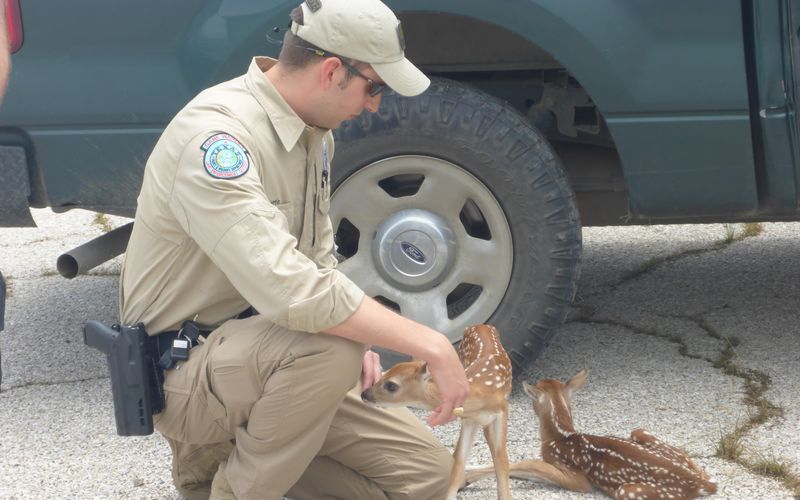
(374, 324)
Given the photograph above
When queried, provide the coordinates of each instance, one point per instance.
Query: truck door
(773, 59)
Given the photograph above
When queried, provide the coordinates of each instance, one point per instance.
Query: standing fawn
(641, 467)
(488, 371)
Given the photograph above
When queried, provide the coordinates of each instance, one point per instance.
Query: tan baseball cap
(364, 30)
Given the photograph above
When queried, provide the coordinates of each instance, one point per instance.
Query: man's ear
(327, 69)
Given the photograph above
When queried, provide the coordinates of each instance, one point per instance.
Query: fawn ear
(530, 390)
(423, 372)
(577, 381)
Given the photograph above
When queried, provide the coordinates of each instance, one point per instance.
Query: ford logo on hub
(413, 252)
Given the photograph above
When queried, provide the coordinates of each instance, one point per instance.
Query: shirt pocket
(288, 212)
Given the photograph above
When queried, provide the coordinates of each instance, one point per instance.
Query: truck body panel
(671, 83)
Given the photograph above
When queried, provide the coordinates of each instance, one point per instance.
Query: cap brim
(402, 77)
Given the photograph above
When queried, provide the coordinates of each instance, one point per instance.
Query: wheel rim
(426, 238)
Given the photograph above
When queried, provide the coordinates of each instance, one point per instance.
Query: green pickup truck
(465, 204)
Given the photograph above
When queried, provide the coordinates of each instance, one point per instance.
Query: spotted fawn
(638, 468)
(488, 371)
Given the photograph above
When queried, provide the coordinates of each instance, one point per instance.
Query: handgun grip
(99, 336)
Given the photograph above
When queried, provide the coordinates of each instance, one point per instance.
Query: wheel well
(444, 42)
(510, 67)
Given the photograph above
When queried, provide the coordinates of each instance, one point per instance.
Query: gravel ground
(57, 432)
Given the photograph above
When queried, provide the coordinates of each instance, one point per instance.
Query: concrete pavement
(652, 336)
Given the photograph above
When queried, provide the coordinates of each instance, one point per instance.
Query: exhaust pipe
(91, 254)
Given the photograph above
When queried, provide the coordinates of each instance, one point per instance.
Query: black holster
(136, 379)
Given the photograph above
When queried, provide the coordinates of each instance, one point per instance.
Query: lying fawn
(641, 467)
(488, 371)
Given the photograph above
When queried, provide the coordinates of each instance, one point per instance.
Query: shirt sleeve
(218, 199)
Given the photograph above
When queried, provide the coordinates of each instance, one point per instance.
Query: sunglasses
(373, 88)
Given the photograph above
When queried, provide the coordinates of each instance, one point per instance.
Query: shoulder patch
(225, 157)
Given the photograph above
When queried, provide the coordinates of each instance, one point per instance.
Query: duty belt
(172, 346)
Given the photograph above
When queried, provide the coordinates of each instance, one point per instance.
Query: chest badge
(225, 157)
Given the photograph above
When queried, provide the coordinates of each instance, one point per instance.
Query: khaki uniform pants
(259, 411)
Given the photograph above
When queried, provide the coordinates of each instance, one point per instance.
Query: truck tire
(452, 209)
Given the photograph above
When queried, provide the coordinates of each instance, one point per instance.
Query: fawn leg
(644, 438)
(496, 438)
(538, 470)
(474, 474)
(466, 438)
(535, 470)
(671, 453)
(676, 455)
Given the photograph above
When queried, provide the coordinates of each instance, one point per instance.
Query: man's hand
(375, 324)
(449, 376)
(371, 369)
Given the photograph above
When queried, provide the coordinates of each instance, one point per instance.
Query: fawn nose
(366, 396)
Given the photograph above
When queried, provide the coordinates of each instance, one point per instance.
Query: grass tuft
(730, 233)
(771, 467)
(101, 221)
(730, 446)
(752, 229)
(736, 232)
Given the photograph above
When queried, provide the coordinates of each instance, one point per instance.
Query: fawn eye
(391, 386)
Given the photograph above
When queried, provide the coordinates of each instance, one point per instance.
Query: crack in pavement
(755, 382)
(25, 385)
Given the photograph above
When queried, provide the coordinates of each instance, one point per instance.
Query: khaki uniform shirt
(233, 212)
